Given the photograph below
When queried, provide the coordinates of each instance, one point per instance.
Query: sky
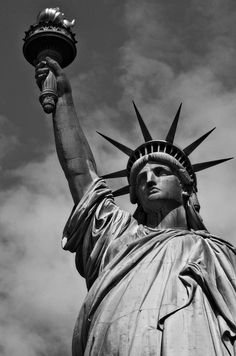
(155, 52)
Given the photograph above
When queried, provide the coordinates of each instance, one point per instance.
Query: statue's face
(156, 185)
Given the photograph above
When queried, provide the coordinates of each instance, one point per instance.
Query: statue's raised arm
(73, 150)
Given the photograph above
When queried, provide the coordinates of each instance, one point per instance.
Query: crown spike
(189, 149)
(117, 174)
(204, 165)
(146, 134)
(121, 191)
(121, 147)
(171, 134)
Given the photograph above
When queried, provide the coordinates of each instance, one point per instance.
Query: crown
(161, 150)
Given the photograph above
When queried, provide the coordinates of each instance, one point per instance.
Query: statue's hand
(42, 70)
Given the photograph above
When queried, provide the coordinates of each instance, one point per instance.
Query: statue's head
(158, 172)
(159, 180)
(157, 185)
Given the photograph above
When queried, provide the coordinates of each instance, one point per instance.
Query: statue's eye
(141, 178)
(165, 173)
(160, 171)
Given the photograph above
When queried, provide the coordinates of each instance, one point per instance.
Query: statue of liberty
(159, 284)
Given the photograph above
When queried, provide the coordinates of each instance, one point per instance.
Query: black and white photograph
(117, 189)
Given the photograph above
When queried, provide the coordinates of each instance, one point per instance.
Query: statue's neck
(167, 217)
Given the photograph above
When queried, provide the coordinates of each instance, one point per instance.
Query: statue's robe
(165, 292)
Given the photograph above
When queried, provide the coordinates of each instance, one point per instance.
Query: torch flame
(54, 16)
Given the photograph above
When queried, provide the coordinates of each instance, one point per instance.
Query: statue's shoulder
(216, 239)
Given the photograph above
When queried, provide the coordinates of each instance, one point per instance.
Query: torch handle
(48, 97)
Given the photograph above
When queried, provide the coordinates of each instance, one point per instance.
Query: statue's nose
(151, 179)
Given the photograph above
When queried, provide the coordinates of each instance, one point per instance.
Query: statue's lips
(153, 190)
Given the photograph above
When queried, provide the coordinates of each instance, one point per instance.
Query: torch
(52, 37)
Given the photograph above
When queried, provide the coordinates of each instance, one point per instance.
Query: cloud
(8, 137)
(41, 291)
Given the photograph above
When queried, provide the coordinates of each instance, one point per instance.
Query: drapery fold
(151, 292)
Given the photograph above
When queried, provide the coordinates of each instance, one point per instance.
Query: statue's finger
(53, 65)
(40, 79)
(41, 76)
(41, 64)
(40, 71)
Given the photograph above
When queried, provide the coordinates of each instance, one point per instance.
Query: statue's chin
(156, 202)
